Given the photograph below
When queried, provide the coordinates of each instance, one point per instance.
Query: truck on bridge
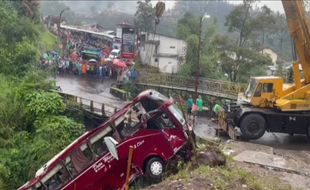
(270, 105)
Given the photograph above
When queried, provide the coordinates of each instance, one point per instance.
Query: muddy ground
(276, 161)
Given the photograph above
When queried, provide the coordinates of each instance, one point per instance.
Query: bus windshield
(177, 113)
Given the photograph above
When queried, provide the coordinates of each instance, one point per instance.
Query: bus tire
(253, 126)
(155, 168)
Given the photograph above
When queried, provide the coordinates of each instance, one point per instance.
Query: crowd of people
(74, 59)
(92, 69)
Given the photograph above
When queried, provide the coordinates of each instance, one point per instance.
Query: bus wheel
(253, 126)
(155, 168)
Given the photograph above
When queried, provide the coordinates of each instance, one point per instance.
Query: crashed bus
(151, 124)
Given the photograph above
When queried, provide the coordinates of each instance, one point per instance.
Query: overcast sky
(275, 5)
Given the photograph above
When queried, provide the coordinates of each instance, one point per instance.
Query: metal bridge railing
(205, 84)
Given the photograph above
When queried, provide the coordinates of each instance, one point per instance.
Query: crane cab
(262, 91)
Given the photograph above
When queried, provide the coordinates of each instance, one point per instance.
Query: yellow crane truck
(270, 105)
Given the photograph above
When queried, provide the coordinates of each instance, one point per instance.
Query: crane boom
(298, 25)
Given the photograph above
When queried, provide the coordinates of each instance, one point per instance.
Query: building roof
(74, 28)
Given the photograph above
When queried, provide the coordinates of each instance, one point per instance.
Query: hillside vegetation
(32, 125)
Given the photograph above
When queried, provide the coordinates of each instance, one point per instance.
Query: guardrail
(103, 109)
(205, 84)
(122, 94)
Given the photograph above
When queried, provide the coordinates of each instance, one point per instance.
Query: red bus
(152, 124)
(129, 39)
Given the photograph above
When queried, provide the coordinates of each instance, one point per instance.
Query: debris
(211, 158)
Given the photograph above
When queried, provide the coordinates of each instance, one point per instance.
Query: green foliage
(240, 21)
(145, 16)
(18, 38)
(31, 128)
(33, 81)
(53, 134)
(11, 112)
(48, 41)
(209, 54)
(58, 131)
(187, 25)
(42, 104)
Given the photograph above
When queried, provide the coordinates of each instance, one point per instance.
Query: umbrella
(92, 60)
(130, 63)
(119, 63)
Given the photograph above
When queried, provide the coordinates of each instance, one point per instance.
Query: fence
(206, 86)
(98, 108)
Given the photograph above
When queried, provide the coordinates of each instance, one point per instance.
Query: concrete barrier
(122, 94)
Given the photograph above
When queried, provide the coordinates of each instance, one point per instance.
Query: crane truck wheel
(253, 126)
(308, 132)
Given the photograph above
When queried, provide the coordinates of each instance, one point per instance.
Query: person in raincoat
(217, 109)
(199, 103)
(189, 104)
(84, 69)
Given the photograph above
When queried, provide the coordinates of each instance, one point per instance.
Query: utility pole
(205, 16)
(60, 15)
(60, 34)
(198, 63)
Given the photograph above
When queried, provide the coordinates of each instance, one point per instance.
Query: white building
(273, 56)
(166, 53)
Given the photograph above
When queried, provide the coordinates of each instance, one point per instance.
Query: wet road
(205, 128)
(293, 152)
(100, 92)
(89, 88)
(285, 141)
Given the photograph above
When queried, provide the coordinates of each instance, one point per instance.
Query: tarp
(91, 52)
(119, 63)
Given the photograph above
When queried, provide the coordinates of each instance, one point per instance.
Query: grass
(49, 41)
(228, 176)
(225, 177)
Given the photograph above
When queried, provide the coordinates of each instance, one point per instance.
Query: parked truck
(270, 105)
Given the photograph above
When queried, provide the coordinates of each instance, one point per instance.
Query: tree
(264, 23)
(32, 129)
(145, 16)
(240, 21)
(28, 8)
(209, 54)
(281, 35)
(239, 58)
(188, 25)
(191, 59)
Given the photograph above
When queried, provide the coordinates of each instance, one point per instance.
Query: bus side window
(149, 104)
(81, 158)
(160, 122)
(70, 169)
(99, 147)
(97, 144)
(167, 121)
(39, 186)
(56, 178)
